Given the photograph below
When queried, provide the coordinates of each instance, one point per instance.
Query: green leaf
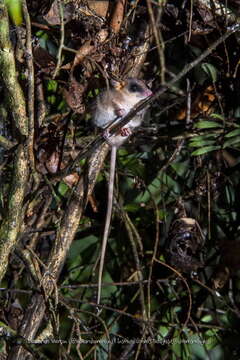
(131, 207)
(217, 116)
(231, 141)
(52, 85)
(237, 112)
(43, 39)
(75, 268)
(176, 347)
(62, 188)
(163, 331)
(210, 70)
(233, 133)
(201, 143)
(212, 335)
(203, 137)
(108, 291)
(180, 168)
(207, 318)
(205, 150)
(205, 124)
(51, 99)
(197, 346)
(157, 187)
(62, 106)
(81, 245)
(15, 11)
(133, 164)
(154, 188)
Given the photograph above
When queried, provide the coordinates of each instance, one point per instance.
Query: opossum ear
(150, 82)
(118, 85)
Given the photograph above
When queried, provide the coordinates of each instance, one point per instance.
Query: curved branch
(66, 233)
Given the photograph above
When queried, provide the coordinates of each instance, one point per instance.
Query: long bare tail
(108, 219)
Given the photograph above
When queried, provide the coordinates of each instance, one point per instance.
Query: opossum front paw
(125, 131)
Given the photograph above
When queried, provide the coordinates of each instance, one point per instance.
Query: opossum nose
(148, 92)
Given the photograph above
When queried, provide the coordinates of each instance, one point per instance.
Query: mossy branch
(12, 221)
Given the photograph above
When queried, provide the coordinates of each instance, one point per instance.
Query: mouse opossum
(111, 104)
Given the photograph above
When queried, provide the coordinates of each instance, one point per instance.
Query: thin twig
(159, 42)
(190, 21)
(5, 143)
(187, 286)
(61, 45)
(138, 268)
(154, 255)
(120, 283)
(30, 102)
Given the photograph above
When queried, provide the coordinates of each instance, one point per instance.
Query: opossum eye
(134, 87)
